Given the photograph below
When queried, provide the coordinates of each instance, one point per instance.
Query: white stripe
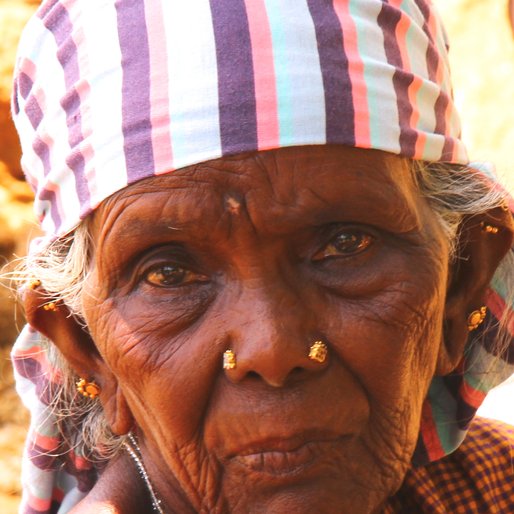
(105, 82)
(43, 50)
(298, 73)
(382, 101)
(193, 82)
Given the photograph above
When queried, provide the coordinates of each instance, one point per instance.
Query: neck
(163, 499)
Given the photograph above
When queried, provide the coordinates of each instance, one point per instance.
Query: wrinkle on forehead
(276, 190)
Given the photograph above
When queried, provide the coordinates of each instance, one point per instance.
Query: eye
(167, 275)
(347, 243)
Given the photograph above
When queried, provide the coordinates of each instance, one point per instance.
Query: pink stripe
(429, 433)
(38, 504)
(414, 88)
(46, 443)
(80, 462)
(356, 71)
(83, 89)
(44, 504)
(264, 71)
(496, 304)
(401, 33)
(56, 189)
(39, 354)
(159, 88)
(470, 395)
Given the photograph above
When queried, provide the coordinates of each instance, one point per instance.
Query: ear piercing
(34, 283)
(476, 318)
(51, 306)
(318, 352)
(88, 389)
(489, 229)
(229, 359)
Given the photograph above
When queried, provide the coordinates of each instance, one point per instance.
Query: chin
(314, 479)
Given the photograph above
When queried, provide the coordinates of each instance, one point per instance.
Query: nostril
(253, 375)
(296, 371)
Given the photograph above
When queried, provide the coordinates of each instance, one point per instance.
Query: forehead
(280, 186)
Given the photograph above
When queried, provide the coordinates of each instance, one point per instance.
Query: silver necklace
(135, 453)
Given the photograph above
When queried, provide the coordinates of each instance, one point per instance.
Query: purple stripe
(432, 55)
(86, 478)
(136, 110)
(33, 112)
(236, 86)
(337, 84)
(49, 196)
(464, 412)
(25, 84)
(420, 455)
(30, 369)
(387, 20)
(440, 107)
(58, 22)
(490, 340)
(43, 152)
(46, 7)
(15, 92)
(41, 458)
(447, 153)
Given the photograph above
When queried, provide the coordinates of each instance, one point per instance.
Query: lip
(286, 456)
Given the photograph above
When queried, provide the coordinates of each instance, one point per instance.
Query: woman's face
(265, 254)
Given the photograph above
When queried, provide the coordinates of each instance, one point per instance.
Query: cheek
(165, 373)
(390, 343)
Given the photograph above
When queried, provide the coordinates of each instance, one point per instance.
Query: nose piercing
(476, 318)
(318, 351)
(229, 359)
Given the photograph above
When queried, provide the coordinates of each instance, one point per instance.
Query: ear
(78, 348)
(479, 252)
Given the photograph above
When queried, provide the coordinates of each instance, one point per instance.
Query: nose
(273, 337)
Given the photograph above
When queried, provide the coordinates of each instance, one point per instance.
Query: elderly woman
(270, 280)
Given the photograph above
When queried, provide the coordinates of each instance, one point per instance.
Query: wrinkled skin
(264, 254)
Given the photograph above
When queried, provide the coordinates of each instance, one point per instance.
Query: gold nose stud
(476, 318)
(318, 352)
(229, 359)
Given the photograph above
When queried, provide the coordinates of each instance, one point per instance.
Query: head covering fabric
(107, 93)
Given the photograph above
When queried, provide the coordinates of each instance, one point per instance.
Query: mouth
(286, 457)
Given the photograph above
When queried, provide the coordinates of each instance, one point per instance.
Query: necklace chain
(135, 453)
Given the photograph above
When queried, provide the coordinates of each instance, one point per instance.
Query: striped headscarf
(107, 93)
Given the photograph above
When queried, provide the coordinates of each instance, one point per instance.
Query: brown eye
(346, 244)
(169, 276)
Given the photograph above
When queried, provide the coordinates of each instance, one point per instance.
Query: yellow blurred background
(482, 57)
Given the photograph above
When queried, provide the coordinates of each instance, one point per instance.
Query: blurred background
(482, 57)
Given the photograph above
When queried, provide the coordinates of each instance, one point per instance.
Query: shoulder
(477, 477)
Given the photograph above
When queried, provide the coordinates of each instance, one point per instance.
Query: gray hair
(452, 191)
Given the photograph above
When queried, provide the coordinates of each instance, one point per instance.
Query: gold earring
(318, 351)
(229, 359)
(489, 229)
(88, 389)
(476, 318)
(51, 306)
(34, 283)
